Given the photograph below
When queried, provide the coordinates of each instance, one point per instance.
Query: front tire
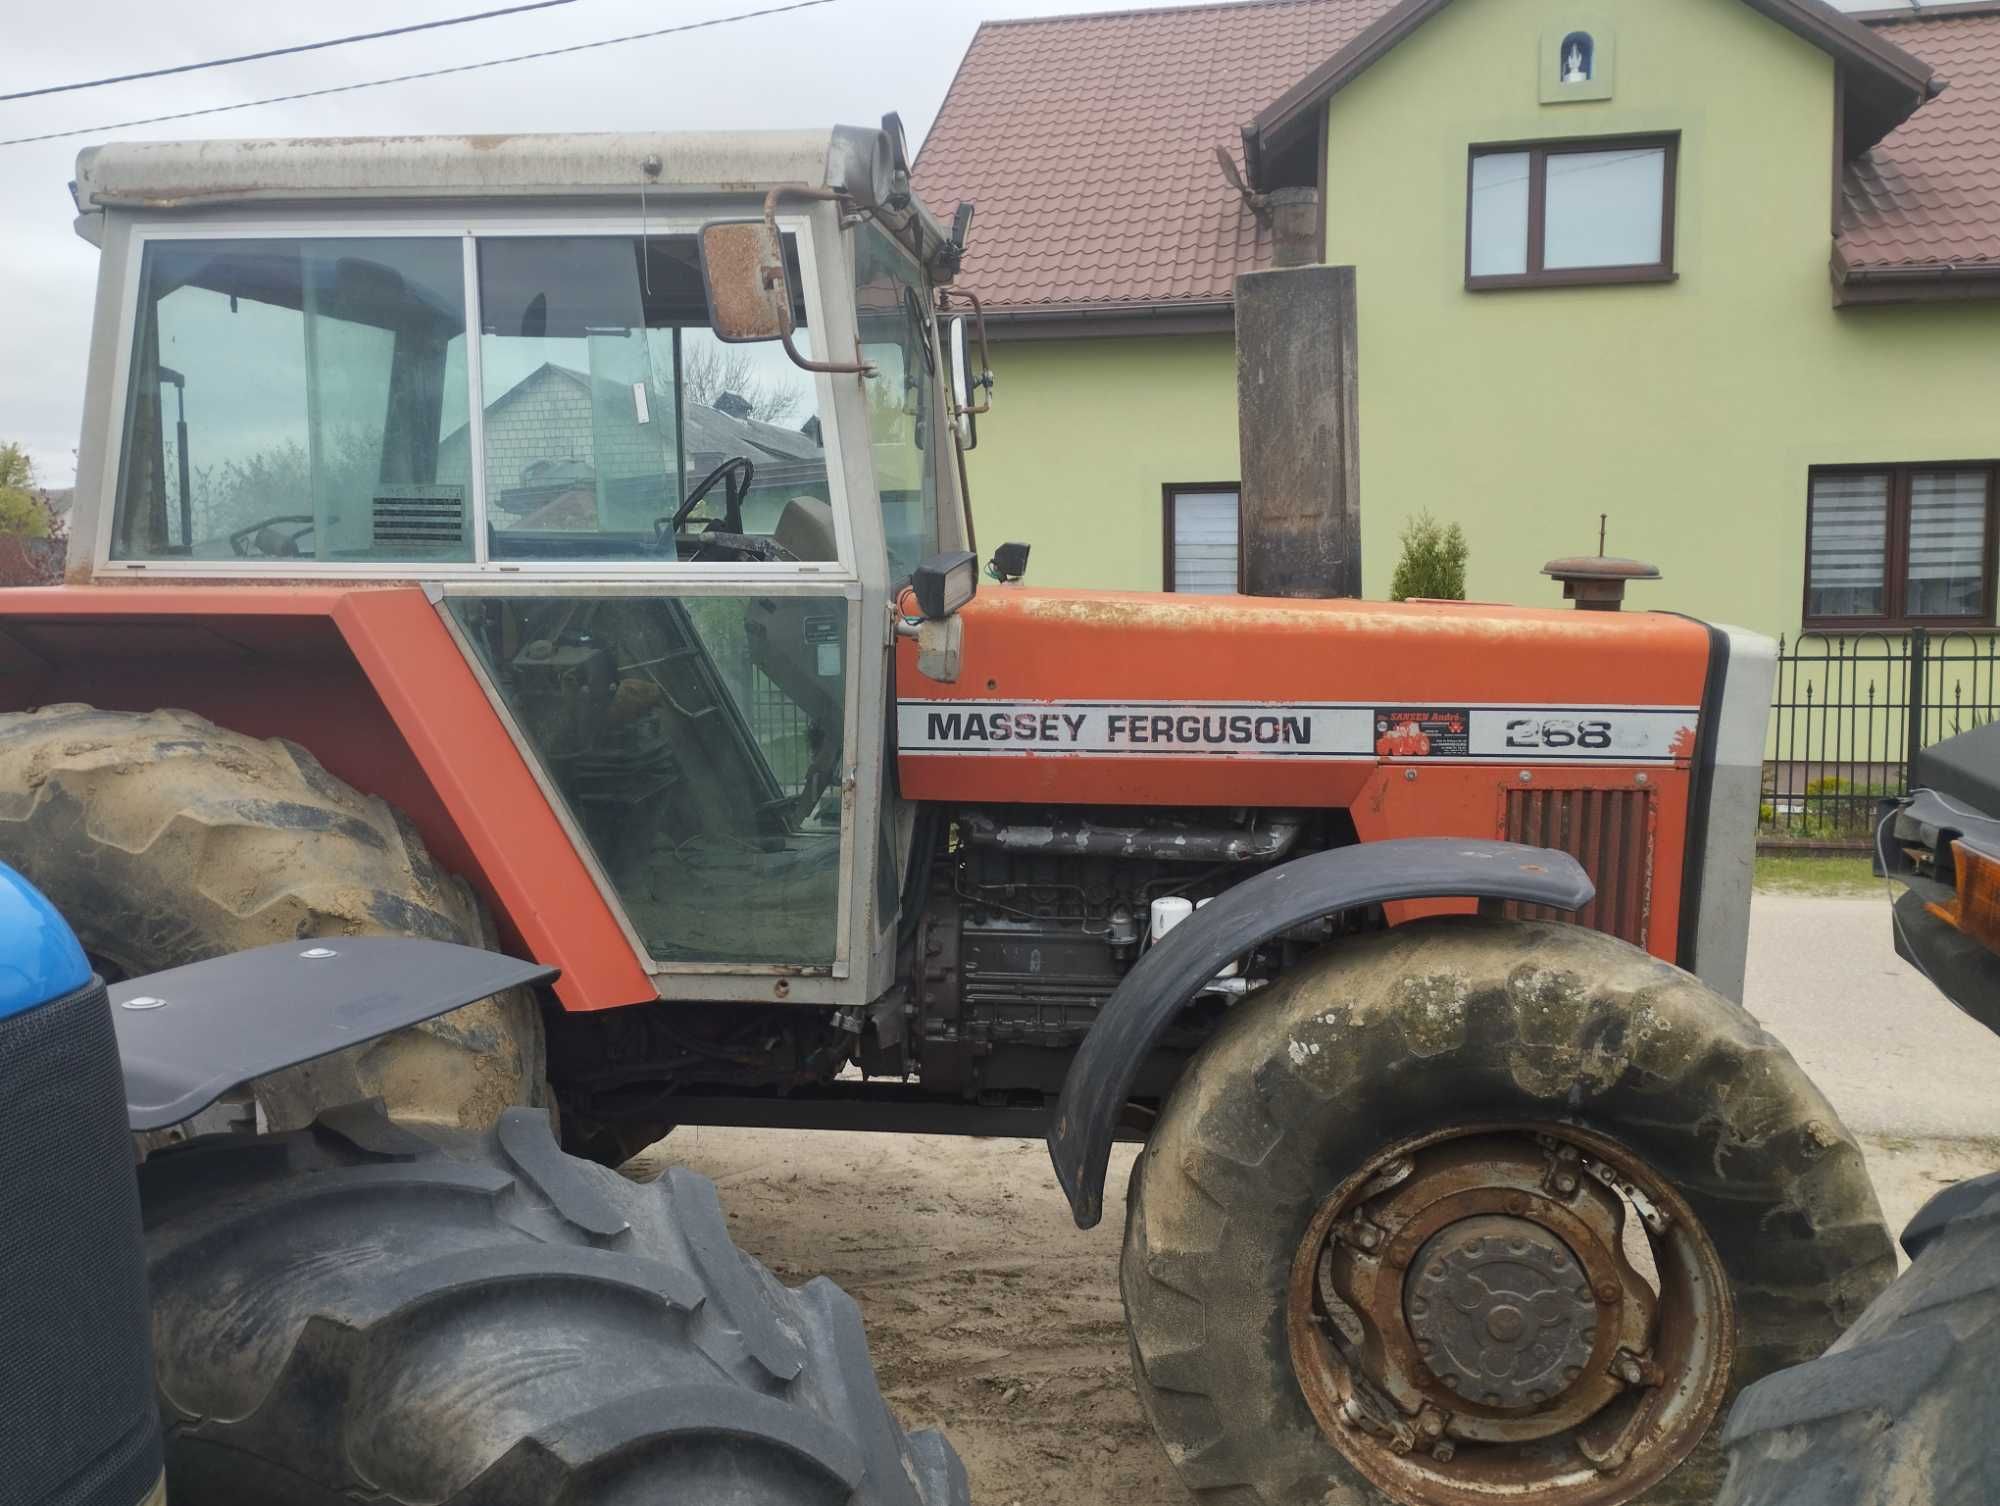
(368, 1310)
(1327, 1100)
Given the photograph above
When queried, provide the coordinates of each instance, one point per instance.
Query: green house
(1720, 271)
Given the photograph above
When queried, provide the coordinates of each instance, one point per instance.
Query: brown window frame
(1539, 152)
(1169, 494)
(1896, 550)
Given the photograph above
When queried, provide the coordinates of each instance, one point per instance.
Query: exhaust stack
(1298, 419)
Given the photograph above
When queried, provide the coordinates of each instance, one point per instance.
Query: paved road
(1915, 1079)
(1885, 1046)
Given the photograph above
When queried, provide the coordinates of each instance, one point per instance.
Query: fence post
(1919, 645)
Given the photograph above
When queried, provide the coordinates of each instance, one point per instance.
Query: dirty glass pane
(1947, 544)
(290, 399)
(1499, 215)
(697, 743)
(608, 402)
(1605, 208)
(1846, 575)
(898, 338)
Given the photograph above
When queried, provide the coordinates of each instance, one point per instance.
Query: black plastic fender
(188, 1035)
(1175, 970)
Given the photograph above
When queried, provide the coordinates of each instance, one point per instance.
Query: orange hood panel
(1132, 699)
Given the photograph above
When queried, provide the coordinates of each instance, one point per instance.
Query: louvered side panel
(1610, 832)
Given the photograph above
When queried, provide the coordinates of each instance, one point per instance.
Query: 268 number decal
(1540, 733)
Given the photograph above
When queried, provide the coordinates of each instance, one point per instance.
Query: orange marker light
(1975, 909)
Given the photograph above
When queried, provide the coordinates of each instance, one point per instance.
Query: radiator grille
(1610, 832)
(420, 518)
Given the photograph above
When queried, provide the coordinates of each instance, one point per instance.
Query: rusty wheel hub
(1466, 1319)
(1498, 1313)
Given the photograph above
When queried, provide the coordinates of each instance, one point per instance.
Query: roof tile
(1088, 144)
(1929, 195)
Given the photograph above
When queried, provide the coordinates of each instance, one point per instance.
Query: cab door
(679, 617)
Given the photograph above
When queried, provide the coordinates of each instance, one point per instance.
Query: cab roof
(166, 175)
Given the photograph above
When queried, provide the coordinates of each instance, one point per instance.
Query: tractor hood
(1076, 696)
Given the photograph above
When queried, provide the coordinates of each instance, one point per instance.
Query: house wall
(1083, 435)
(1689, 412)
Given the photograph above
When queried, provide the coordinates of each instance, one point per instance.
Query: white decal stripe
(1316, 730)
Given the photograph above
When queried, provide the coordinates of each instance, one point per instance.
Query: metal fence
(781, 730)
(1851, 712)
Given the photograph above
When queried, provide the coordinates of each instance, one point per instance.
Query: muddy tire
(1386, 1041)
(165, 839)
(364, 1310)
(1900, 1412)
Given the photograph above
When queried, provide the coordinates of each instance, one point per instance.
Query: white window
(1204, 536)
(1570, 212)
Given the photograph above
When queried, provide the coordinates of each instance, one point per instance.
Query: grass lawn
(1784, 874)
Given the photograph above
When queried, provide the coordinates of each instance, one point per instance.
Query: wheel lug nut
(1565, 1182)
(1608, 1293)
(1442, 1450)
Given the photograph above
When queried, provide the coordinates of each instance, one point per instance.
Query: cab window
(618, 427)
(292, 398)
(310, 399)
(893, 317)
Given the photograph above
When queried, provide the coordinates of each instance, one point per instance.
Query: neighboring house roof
(1088, 145)
(708, 431)
(1088, 142)
(1926, 201)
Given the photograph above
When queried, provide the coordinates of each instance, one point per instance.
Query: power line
(279, 52)
(404, 78)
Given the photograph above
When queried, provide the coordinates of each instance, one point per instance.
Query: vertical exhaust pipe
(1298, 416)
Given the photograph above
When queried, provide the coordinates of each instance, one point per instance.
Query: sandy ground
(993, 1317)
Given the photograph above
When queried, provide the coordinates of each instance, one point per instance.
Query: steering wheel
(735, 474)
(265, 534)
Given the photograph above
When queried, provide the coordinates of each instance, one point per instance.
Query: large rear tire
(165, 839)
(1393, 1119)
(364, 1310)
(1900, 1412)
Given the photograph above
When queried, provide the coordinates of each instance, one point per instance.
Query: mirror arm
(984, 381)
(772, 275)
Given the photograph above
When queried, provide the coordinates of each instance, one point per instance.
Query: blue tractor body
(78, 1422)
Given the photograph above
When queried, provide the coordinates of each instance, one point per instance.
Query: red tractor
(562, 543)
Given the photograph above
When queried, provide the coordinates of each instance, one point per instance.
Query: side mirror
(945, 582)
(743, 273)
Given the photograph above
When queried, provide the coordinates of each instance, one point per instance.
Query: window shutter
(1850, 534)
(1947, 543)
(1205, 543)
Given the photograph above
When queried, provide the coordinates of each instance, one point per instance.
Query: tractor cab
(517, 371)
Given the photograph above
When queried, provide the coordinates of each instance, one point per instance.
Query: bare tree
(708, 371)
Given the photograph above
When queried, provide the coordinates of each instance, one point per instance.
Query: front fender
(1175, 970)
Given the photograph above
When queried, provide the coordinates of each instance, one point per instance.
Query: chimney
(1294, 214)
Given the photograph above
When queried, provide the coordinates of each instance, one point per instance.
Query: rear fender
(1172, 972)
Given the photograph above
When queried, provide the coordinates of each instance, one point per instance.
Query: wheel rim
(1510, 1309)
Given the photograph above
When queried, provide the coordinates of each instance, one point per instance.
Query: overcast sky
(848, 61)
